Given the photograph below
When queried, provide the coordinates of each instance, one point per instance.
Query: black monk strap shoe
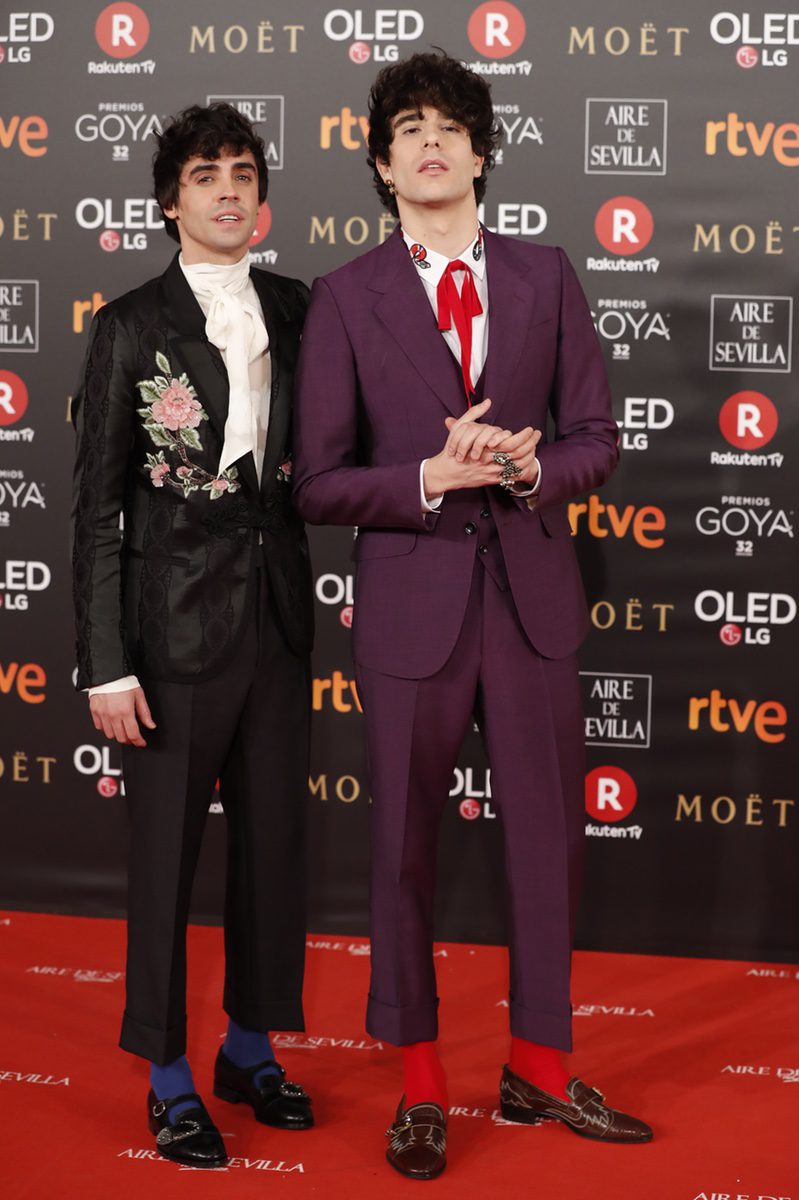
(191, 1139)
(418, 1145)
(585, 1111)
(274, 1101)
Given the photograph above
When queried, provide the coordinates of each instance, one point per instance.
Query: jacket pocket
(555, 520)
(383, 543)
(157, 557)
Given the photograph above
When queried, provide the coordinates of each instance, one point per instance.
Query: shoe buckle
(159, 1109)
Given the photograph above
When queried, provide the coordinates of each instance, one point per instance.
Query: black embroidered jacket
(164, 548)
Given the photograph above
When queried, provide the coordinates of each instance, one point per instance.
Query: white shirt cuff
(428, 505)
(125, 684)
(529, 491)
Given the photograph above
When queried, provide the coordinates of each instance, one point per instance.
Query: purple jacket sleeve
(330, 485)
(585, 450)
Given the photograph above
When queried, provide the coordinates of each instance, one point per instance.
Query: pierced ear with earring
(390, 185)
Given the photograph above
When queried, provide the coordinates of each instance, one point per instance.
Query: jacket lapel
(201, 360)
(511, 299)
(280, 397)
(407, 314)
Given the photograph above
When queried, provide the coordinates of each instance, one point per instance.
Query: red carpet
(706, 1051)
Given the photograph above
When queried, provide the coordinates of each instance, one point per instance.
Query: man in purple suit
(427, 369)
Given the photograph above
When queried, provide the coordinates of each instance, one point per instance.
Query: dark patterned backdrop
(658, 145)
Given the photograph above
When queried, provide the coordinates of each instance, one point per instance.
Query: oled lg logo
(23, 30)
(642, 415)
(475, 788)
(373, 34)
(93, 760)
(624, 225)
(18, 579)
(748, 617)
(771, 30)
(123, 224)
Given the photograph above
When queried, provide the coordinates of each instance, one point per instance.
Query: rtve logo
(624, 225)
(748, 420)
(610, 794)
(765, 717)
(26, 133)
(496, 29)
(601, 520)
(28, 680)
(741, 137)
(122, 30)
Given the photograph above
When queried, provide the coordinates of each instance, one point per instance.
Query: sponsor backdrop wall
(657, 144)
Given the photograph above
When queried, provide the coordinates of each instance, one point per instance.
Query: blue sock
(246, 1047)
(174, 1079)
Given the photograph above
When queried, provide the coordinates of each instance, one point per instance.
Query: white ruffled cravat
(236, 327)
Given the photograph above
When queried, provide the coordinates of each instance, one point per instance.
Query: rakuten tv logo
(13, 398)
(748, 420)
(624, 225)
(496, 29)
(610, 794)
(122, 30)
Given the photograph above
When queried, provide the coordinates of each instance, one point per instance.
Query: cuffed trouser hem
(401, 1026)
(263, 1018)
(160, 1046)
(546, 1028)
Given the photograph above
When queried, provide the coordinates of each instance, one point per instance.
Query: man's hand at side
(115, 714)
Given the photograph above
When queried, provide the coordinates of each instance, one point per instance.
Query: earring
(390, 185)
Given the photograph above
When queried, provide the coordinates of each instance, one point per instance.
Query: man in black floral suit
(194, 624)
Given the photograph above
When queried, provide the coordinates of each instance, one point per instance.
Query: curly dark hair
(205, 132)
(440, 82)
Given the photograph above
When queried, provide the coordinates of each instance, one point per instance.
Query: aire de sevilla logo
(624, 225)
(122, 30)
(496, 29)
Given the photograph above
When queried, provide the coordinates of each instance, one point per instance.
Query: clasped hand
(467, 457)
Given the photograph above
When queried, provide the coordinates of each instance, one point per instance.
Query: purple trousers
(530, 716)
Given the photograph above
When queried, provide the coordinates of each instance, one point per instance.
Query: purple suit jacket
(375, 382)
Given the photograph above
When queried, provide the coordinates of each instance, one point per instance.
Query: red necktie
(460, 307)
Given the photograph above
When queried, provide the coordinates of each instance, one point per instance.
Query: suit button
(485, 513)
(470, 528)
(482, 549)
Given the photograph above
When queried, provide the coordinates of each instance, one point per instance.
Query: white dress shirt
(430, 267)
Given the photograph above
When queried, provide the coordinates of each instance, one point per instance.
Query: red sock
(424, 1075)
(539, 1065)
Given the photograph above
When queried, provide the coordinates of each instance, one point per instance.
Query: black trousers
(249, 728)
